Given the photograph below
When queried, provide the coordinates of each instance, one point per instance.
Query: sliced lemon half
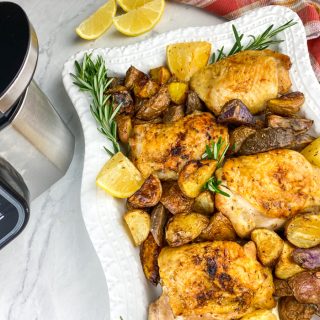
(140, 20)
(119, 177)
(98, 23)
(128, 5)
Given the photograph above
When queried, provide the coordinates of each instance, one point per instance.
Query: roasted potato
(306, 287)
(260, 315)
(193, 103)
(236, 112)
(204, 203)
(173, 113)
(184, 59)
(282, 288)
(152, 108)
(303, 230)
(124, 127)
(238, 136)
(269, 245)
(302, 140)
(133, 75)
(290, 309)
(299, 125)
(159, 217)
(174, 199)
(149, 252)
(219, 228)
(139, 224)
(312, 152)
(286, 105)
(145, 88)
(160, 75)
(286, 267)
(307, 258)
(194, 175)
(148, 195)
(121, 96)
(185, 227)
(178, 92)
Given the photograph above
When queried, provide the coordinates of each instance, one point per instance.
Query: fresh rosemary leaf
(260, 42)
(213, 185)
(216, 151)
(91, 76)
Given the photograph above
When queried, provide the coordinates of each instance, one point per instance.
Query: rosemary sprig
(213, 185)
(92, 77)
(260, 42)
(216, 151)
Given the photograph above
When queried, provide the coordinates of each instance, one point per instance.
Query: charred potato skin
(269, 246)
(121, 96)
(124, 127)
(307, 258)
(148, 195)
(204, 203)
(182, 228)
(290, 309)
(238, 136)
(159, 218)
(173, 114)
(303, 230)
(193, 103)
(287, 105)
(133, 75)
(149, 252)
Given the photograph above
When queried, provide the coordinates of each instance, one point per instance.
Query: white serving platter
(129, 294)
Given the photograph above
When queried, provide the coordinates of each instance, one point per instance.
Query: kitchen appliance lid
(18, 54)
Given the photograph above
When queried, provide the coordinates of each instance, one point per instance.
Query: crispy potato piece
(145, 88)
(124, 127)
(299, 125)
(139, 224)
(307, 258)
(159, 217)
(238, 136)
(178, 92)
(282, 288)
(174, 199)
(303, 230)
(286, 267)
(290, 309)
(312, 152)
(148, 195)
(184, 59)
(160, 74)
(121, 95)
(193, 103)
(173, 113)
(149, 252)
(133, 75)
(204, 203)
(185, 227)
(269, 245)
(219, 228)
(260, 315)
(286, 105)
(194, 175)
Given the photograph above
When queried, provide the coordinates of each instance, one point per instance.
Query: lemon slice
(119, 177)
(140, 20)
(128, 5)
(98, 23)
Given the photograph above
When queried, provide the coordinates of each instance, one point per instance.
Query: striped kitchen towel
(308, 11)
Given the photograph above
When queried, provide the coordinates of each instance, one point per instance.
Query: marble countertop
(51, 270)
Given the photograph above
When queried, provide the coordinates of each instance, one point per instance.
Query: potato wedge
(269, 246)
(149, 252)
(286, 105)
(312, 152)
(290, 309)
(124, 127)
(185, 227)
(260, 315)
(161, 74)
(204, 203)
(194, 175)
(159, 217)
(139, 224)
(148, 195)
(145, 88)
(286, 267)
(303, 230)
(178, 92)
(174, 199)
(184, 59)
(219, 228)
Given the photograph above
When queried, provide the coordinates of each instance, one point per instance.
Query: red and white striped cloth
(308, 11)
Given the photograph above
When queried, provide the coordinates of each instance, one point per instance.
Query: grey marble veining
(51, 272)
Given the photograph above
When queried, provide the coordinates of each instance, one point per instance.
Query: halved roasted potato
(287, 105)
(204, 203)
(159, 217)
(303, 230)
(185, 227)
(160, 74)
(139, 224)
(149, 252)
(178, 92)
(269, 245)
(194, 175)
(286, 267)
(260, 315)
(148, 195)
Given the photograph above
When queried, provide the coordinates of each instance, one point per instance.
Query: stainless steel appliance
(33, 138)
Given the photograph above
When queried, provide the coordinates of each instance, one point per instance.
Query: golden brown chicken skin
(216, 280)
(163, 149)
(251, 76)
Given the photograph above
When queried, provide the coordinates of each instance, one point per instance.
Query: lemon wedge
(128, 5)
(140, 20)
(119, 177)
(98, 23)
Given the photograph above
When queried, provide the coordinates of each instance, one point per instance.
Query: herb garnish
(92, 77)
(213, 185)
(260, 42)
